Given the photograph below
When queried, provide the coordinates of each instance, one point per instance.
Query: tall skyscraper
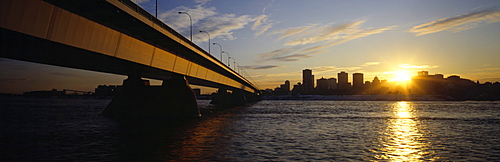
(357, 80)
(285, 88)
(307, 80)
(342, 80)
(287, 85)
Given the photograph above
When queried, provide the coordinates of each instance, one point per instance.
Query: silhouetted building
(307, 81)
(375, 82)
(422, 73)
(343, 83)
(322, 84)
(285, 87)
(367, 85)
(357, 81)
(297, 89)
(376, 86)
(267, 92)
(53, 92)
(332, 83)
(425, 84)
(326, 86)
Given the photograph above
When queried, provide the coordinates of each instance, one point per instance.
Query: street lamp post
(191, 24)
(220, 50)
(234, 61)
(238, 67)
(208, 40)
(227, 58)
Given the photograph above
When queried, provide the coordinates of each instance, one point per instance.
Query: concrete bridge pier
(173, 100)
(225, 98)
(252, 97)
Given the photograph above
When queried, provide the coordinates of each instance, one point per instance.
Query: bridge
(119, 37)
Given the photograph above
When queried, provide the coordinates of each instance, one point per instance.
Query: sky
(274, 40)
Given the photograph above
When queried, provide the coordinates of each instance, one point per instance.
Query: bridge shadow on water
(177, 140)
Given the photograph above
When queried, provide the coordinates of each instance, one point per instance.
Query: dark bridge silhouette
(119, 37)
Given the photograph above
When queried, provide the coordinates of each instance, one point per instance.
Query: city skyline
(274, 40)
(358, 80)
(435, 86)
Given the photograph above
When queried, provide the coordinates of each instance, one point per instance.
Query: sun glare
(402, 76)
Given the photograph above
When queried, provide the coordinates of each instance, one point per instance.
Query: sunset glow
(401, 76)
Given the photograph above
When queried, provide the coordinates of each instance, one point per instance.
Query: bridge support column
(173, 100)
(252, 97)
(222, 97)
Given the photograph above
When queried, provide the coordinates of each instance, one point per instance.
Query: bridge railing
(155, 20)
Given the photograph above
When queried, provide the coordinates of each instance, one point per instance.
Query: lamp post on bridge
(228, 64)
(237, 67)
(220, 50)
(191, 24)
(208, 40)
(234, 61)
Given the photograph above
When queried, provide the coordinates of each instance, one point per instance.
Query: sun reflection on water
(402, 141)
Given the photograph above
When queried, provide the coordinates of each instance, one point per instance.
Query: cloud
(259, 67)
(262, 24)
(335, 35)
(353, 68)
(270, 4)
(140, 1)
(487, 69)
(291, 31)
(267, 76)
(328, 33)
(221, 26)
(263, 29)
(370, 63)
(324, 68)
(287, 54)
(217, 25)
(201, 1)
(279, 52)
(258, 21)
(181, 22)
(359, 34)
(315, 48)
(408, 66)
(293, 57)
(459, 22)
(326, 37)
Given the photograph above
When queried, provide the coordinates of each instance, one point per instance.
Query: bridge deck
(109, 36)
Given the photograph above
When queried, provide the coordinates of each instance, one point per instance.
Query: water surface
(73, 129)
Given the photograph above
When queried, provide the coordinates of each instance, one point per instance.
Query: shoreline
(361, 97)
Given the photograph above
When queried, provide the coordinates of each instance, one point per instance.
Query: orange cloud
(459, 22)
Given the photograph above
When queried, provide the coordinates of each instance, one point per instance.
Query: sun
(402, 75)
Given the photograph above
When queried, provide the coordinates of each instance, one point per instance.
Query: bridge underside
(14, 46)
(127, 44)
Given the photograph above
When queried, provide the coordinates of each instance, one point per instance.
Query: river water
(270, 130)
